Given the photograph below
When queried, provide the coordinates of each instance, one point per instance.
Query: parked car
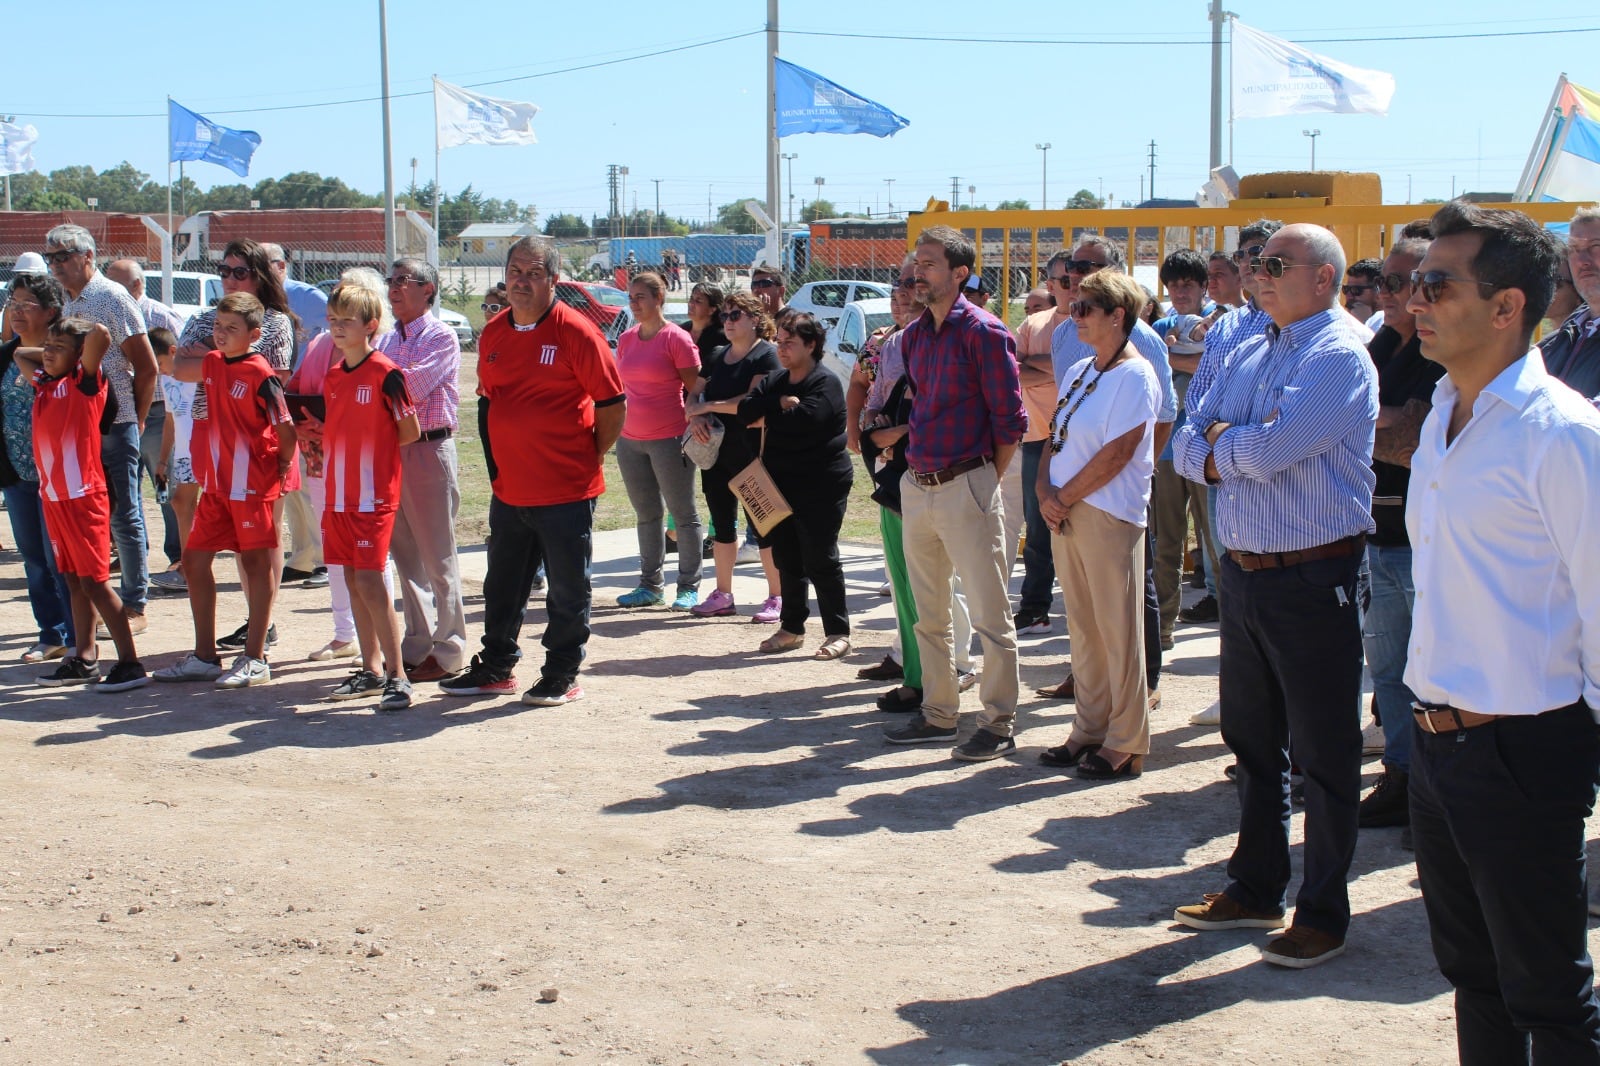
(858, 321)
(601, 304)
(192, 292)
(828, 299)
(459, 324)
(672, 311)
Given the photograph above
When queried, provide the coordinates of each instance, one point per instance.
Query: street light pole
(819, 183)
(1313, 134)
(657, 220)
(1044, 176)
(789, 158)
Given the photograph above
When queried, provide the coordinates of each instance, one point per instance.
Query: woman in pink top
(658, 361)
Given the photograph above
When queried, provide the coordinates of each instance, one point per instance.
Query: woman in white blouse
(1094, 493)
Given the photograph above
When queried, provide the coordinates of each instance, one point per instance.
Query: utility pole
(1152, 170)
(955, 193)
(1313, 134)
(1044, 177)
(772, 250)
(388, 154)
(657, 220)
(789, 158)
(972, 196)
(890, 182)
(819, 183)
(613, 178)
(1218, 19)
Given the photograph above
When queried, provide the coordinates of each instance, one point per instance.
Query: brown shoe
(1067, 690)
(428, 670)
(1300, 948)
(1154, 700)
(1222, 911)
(888, 670)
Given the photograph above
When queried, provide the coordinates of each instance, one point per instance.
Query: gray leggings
(653, 470)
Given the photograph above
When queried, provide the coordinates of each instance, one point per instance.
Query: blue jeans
(119, 453)
(150, 457)
(47, 589)
(520, 538)
(1205, 557)
(1385, 632)
(1038, 568)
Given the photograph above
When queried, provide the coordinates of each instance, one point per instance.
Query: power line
(1142, 42)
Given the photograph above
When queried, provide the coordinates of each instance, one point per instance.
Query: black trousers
(1497, 814)
(1291, 664)
(805, 549)
(559, 536)
(1152, 615)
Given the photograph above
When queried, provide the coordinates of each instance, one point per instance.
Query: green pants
(905, 608)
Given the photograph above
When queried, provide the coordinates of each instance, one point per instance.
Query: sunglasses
(1059, 279)
(1353, 291)
(766, 283)
(1392, 283)
(236, 273)
(1081, 308)
(906, 283)
(1083, 266)
(1273, 266)
(731, 316)
(491, 309)
(401, 279)
(1432, 284)
(57, 258)
(1248, 253)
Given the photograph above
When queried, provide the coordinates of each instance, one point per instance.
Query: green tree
(818, 209)
(733, 218)
(1084, 200)
(565, 225)
(1013, 205)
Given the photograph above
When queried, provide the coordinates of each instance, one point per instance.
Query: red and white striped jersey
(66, 434)
(361, 443)
(234, 447)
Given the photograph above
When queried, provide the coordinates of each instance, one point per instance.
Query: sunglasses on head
(236, 273)
(1432, 284)
(1273, 266)
(1392, 283)
(1081, 308)
(1248, 253)
(765, 283)
(1083, 266)
(57, 258)
(733, 315)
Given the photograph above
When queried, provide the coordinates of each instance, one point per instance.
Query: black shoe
(892, 702)
(123, 676)
(1063, 755)
(1028, 622)
(71, 671)
(1389, 802)
(983, 746)
(1197, 579)
(291, 573)
(918, 731)
(480, 679)
(396, 694)
(1297, 790)
(1094, 768)
(239, 637)
(888, 670)
(1200, 611)
(553, 692)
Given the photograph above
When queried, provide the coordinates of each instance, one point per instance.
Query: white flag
(467, 118)
(1273, 77)
(16, 148)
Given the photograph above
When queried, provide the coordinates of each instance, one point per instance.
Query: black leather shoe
(1063, 755)
(1094, 768)
(892, 702)
(888, 670)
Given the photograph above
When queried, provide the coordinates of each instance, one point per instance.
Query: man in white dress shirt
(1505, 647)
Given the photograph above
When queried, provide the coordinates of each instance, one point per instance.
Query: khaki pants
(305, 531)
(424, 553)
(1011, 518)
(1100, 564)
(1173, 499)
(955, 529)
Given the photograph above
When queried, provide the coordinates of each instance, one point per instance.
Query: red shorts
(357, 539)
(80, 534)
(221, 524)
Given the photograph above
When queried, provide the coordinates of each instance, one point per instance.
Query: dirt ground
(712, 858)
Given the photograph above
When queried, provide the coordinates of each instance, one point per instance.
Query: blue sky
(1465, 109)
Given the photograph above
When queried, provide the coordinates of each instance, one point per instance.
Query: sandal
(833, 648)
(782, 640)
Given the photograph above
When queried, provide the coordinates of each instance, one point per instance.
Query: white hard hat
(30, 263)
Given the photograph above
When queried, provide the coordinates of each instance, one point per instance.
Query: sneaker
(1220, 911)
(983, 746)
(1212, 715)
(480, 680)
(362, 682)
(334, 649)
(190, 668)
(919, 731)
(749, 553)
(1200, 611)
(43, 652)
(552, 692)
(239, 636)
(171, 581)
(685, 599)
(1300, 948)
(717, 605)
(72, 671)
(291, 574)
(643, 596)
(1389, 802)
(137, 623)
(1032, 622)
(1372, 742)
(886, 590)
(771, 611)
(317, 580)
(245, 672)
(123, 676)
(966, 679)
(396, 695)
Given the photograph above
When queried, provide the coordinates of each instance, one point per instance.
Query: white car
(192, 291)
(858, 321)
(457, 323)
(673, 311)
(828, 299)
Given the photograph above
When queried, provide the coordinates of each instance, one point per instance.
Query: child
(174, 470)
(241, 447)
(370, 415)
(69, 401)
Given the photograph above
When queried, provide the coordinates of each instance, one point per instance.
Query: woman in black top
(804, 412)
(705, 325)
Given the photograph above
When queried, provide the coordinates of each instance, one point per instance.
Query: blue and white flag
(194, 136)
(462, 117)
(16, 148)
(1273, 77)
(810, 103)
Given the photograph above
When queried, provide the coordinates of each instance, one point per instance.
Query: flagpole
(773, 235)
(388, 155)
(436, 154)
(1547, 168)
(1217, 19)
(169, 172)
(1231, 20)
(1530, 169)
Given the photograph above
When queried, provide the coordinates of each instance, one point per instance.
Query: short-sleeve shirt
(104, 301)
(234, 447)
(1127, 395)
(360, 446)
(542, 382)
(651, 378)
(1036, 369)
(276, 345)
(66, 434)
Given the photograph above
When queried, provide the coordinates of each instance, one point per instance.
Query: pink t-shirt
(650, 378)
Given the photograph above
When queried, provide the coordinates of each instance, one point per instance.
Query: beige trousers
(1100, 564)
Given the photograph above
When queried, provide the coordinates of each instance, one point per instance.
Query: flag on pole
(810, 103)
(16, 148)
(193, 136)
(1273, 77)
(1565, 163)
(464, 117)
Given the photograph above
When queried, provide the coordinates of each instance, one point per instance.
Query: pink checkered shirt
(429, 354)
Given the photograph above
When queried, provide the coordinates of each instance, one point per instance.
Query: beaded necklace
(1058, 433)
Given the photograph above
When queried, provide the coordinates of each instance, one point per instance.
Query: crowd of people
(1381, 473)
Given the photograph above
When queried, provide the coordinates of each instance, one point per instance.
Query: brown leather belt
(949, 473)
(1436, 719)
(442, 433)
(1339, 549)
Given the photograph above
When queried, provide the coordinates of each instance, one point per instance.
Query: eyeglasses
(25, 306)
(733, 315)
(1059, 279)
(1081, 308)
(1248, 253)
(236, 273)
(401, 279)
(57, 258)
(1273, 266)
(491, 309)
(1354, 291)
(906, 283)
(1083, 266)
(1432, 284)
(1392, 283)
(766, 283)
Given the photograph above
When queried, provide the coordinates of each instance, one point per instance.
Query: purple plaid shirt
(427, 351)
(968, 394)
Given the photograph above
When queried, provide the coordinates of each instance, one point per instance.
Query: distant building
(485, 243)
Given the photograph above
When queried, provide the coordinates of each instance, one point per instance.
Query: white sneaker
(190, 668)
(42, 652)
(1372, 742)
(246, 672)
(749, 553)
(965, 679)
(1212, 715)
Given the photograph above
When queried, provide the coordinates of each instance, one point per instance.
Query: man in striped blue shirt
(1286, 434)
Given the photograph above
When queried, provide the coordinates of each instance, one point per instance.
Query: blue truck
(705, 256)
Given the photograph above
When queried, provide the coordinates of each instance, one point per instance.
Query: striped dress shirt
(1222, 340)
(428, 353)
(1296, 463)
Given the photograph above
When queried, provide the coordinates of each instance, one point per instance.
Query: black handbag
(886, 466)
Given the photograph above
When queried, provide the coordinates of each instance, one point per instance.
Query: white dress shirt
(1505, 540)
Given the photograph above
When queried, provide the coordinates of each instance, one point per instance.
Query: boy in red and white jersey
(241, 448)
(69, 400)
(370, 414)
